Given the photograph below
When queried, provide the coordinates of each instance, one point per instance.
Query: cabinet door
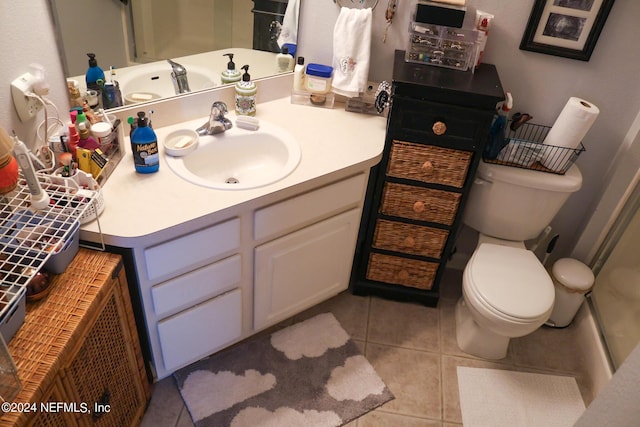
(303, 268)
(104, 372)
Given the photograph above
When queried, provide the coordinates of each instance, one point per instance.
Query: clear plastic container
(442, 46)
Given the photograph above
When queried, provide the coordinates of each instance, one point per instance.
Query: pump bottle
(246, 94)
(95, 76)
(144, 145)
(230, 75)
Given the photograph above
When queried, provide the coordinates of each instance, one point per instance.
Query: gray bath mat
(309, 374)
(497, 398)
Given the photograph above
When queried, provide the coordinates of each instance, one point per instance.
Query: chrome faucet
(217, 123)
(179, 77)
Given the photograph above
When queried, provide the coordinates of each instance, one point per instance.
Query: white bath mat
(497, 398)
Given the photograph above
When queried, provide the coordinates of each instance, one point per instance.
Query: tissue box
(440, 14)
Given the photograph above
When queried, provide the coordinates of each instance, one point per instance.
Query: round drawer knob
(409, 242)
(439, 128)
(418, 207)
(403, 275)
(427, 167)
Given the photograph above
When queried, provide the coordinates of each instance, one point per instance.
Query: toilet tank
(517, 204)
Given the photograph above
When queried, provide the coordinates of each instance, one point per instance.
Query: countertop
(141, 208)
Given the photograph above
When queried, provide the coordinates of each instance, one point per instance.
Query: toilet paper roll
(569, 129)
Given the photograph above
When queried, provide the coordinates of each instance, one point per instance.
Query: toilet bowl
(506, 293)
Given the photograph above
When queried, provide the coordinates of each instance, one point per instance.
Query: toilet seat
(509, 282)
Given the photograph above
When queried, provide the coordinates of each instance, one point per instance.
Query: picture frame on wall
(567, 28)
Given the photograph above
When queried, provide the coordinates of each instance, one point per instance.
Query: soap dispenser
(95, 75)
(230, 75)
(144, 145)
(246, 94)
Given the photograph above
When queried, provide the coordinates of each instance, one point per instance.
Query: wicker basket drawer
(401, 271)
(428, 163)
(409, 238)
(424, 204)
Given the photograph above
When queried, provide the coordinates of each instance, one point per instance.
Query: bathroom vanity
(212, 267)
(438, 126)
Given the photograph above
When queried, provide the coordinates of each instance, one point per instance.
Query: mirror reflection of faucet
(217, 122)
(179, 77)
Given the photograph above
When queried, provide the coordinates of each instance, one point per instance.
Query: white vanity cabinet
(204, 290)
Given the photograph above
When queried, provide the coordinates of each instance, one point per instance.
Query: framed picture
(568, 28)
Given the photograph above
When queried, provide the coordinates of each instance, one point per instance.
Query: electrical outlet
(26, 106)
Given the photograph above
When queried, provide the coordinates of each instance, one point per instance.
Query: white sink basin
(153, 81)
(239, 159)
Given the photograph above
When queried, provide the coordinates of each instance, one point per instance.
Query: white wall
(541, 84)
(27, 37)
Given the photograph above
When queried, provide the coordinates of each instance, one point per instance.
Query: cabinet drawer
(200, 331)
(199, 285)
(440, 122)
(309, 207)
(428, 163)
(409, 239)
(424, 204)
(169, 258)
(401, 271)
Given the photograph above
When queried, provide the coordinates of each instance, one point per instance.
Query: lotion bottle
(144, 145)
(246, 94)
(298, 75)
(284, 61)
(230, 75)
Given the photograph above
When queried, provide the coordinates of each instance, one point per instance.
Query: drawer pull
(409, 242)
(403, 275)
(427, 167)
(418, 207)
(439, 128)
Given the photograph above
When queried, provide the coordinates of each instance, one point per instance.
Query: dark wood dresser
(438, 125)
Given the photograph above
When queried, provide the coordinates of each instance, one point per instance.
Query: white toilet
(506, 291)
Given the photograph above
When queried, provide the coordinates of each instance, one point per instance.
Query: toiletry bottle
(95, 76)
(230, 75)
(144, 145)
(72, 142)
(75, 98)
(497, 140)
(246, 94)
(284, 61)
(81, 117)
(298, 75)
(86, 140)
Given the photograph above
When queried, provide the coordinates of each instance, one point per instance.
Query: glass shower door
(616, 293)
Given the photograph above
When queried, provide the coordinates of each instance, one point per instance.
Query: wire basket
(524, 148)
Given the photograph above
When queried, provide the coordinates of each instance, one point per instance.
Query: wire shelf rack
(29, 238)
(524, 148)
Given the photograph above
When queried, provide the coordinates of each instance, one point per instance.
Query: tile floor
(413, 348)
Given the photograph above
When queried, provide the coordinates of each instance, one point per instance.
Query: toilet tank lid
(570, 182)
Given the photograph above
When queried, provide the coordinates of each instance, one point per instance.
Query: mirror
(140, 35)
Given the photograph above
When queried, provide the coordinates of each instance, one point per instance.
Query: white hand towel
(351, 51)
(289, 31)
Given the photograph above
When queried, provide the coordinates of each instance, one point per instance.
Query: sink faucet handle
(218, 110)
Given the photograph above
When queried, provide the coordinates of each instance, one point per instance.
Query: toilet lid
(511, 280)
